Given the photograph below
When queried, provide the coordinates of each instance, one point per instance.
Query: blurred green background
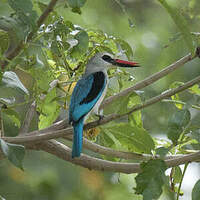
(152, 37)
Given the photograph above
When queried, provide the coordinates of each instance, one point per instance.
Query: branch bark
(28, 118)
(62, 151)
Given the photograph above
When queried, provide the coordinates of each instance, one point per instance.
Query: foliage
(151, 179)
(196, 191)
(15, 153)
(52, 59)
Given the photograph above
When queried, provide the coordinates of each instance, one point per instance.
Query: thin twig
(179, 187)
(1, 125)
(28, 118)
(46, 12)
(180, 102)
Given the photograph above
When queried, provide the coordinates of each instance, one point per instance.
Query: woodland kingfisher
(89, 93)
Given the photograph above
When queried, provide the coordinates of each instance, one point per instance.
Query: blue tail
(78, 138)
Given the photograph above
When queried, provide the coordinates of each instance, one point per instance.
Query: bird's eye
(106, 58)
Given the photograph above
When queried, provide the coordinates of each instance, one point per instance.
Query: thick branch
(64, 152)
(67, 134)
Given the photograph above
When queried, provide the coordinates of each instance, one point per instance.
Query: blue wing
(85, 95)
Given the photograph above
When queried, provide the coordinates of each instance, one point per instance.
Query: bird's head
(106, 60)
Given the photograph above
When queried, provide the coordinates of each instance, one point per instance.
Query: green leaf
(181, 118)
(14, 152)
(76, 5)
(135, 139)
(176, 123)
(195, 89)
(135, 118)
(24, 10)
(177, 174)
(1, 198)
(151, 179)
(13, 115)
(181, 24)
(131, 23)
(13, 28)
(125, 47)
(162, 151)
(123, 104)
(82, 46)
(196, 191)
(7, 101)
(196, 135)
(176, 96)
(43, 77)
(49, 109)
(11, 80)
(113, 138)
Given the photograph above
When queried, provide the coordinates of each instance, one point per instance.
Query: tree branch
(37, 136)
(149, 102)
(14, 52)
(64, 152)
(28, 118)
(46, 12)
(149, 80)
(61, 151)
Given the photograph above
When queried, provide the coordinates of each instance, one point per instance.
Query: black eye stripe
(107, 58)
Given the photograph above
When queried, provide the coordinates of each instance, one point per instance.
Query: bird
(89, 92)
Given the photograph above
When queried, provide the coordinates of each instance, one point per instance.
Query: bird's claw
(198, 52)
(100, 116)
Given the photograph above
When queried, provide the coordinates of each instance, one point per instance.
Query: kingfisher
(89, 93)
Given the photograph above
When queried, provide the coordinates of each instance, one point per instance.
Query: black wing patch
(97, 85)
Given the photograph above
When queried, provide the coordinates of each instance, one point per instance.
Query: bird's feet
(198, 52)
(100, 116)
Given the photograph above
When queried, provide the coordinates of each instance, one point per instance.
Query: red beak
(124, 63)
(118, 62)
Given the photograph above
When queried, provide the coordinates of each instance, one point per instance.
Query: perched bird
(89, 93)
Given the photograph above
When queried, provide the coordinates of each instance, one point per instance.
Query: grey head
(97, 63)
(102, 61)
